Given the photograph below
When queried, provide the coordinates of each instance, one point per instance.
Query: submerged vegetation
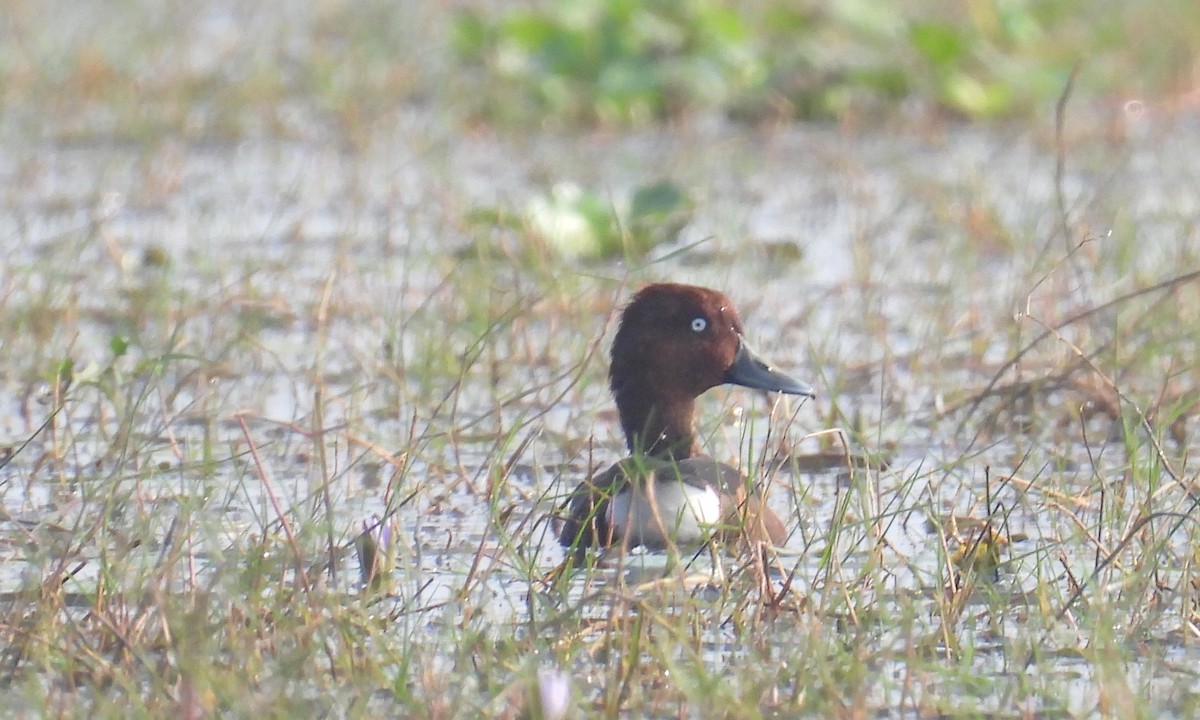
(298, 357)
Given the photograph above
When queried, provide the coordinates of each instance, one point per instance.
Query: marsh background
(272, 271)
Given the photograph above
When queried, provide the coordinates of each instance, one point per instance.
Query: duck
(673, 343)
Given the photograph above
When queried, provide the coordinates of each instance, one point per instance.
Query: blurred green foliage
(223, 69)
(632, 61)
(616, 59)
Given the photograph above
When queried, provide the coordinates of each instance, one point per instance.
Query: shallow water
(216, 260)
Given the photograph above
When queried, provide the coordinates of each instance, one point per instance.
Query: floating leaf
(940, 44)
(976, 97)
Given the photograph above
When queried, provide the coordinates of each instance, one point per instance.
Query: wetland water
(265, 281)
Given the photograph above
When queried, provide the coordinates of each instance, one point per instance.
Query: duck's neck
(657, 427)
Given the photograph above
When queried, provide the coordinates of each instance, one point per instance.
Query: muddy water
(886, 269)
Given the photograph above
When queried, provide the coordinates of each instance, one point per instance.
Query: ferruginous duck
(673, 343)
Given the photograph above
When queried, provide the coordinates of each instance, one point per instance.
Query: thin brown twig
(318, 420)
(265, 478)
(1077, 317)
(516, 455)
(1060, 156)
(1112, 385)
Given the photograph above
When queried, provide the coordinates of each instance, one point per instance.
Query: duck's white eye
(699, 324)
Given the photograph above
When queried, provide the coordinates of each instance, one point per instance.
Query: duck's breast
(681, 502)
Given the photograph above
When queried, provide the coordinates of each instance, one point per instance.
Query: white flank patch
(685, 513)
